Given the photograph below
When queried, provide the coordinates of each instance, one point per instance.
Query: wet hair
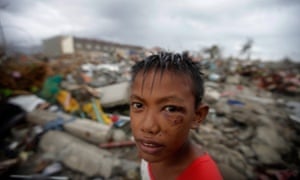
(173, 62)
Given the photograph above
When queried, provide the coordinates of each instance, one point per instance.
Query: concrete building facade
(62, 45)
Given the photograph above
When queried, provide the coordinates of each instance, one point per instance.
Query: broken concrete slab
(84, 157)
(266, 154)
(113, 95)
(271, 137)
(229, 173)
(76, 154)
(27, 102)
(88, 130)
(233, 79)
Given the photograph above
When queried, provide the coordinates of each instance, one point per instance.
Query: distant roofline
(57, 36)
(107, 42)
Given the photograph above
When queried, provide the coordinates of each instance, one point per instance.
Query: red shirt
(201, 168)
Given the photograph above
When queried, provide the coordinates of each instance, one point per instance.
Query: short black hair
(173, 62)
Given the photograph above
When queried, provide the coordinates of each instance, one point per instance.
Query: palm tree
(213, 51)
(246, 48)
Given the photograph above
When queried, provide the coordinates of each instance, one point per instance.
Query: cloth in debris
(57, 124)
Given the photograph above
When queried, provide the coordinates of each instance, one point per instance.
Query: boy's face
(162, 111)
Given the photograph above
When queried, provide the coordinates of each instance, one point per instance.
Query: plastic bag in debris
(51, 88)
(94, 110)
(69, 104)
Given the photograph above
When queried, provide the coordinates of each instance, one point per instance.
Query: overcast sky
(176, 25)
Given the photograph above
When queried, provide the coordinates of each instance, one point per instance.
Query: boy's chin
(150, 158)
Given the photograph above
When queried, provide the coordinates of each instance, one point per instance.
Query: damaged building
(66, 45)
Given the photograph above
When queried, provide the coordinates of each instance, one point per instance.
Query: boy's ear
(201, 113)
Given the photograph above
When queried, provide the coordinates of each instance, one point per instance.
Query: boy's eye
(137, 105)
(172, 108)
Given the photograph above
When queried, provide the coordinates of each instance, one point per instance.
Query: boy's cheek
(134, 124)
(174, 120)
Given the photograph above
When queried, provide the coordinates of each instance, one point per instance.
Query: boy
(165, 103)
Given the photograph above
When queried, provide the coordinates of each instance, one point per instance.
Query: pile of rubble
(51, 143)
(74, 123)
(61, 130)
(249, 133)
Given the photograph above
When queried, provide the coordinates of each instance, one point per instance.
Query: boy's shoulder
(203, 167)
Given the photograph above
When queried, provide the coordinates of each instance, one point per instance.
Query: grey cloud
(167, 24)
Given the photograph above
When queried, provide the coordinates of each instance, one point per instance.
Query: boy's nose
(150, 124)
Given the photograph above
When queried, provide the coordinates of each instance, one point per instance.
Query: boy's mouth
(150, 147)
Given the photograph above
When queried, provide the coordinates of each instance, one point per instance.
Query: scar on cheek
(174, 119)
(177, 120)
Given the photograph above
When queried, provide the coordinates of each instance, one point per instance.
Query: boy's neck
(185, 155)
(178, 162)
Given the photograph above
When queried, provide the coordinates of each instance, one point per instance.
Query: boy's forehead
(153, 78)
(170, 87)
